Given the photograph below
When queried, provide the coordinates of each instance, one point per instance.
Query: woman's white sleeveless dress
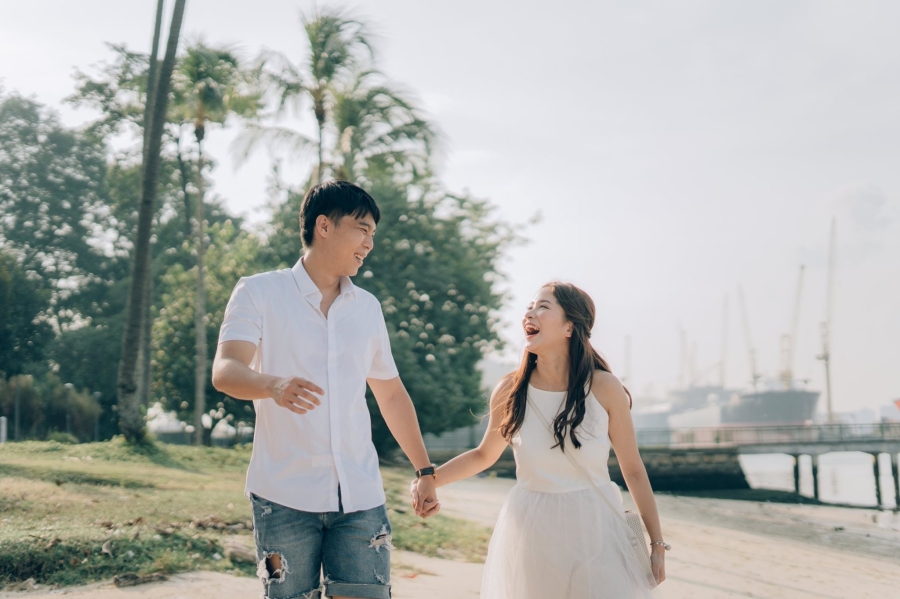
(555, 536)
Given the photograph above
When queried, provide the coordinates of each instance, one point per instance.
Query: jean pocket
(261, 507)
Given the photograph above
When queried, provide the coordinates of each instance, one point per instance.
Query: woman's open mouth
(531, 331)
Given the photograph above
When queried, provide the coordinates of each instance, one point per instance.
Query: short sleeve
(243, 320)
(383, 367)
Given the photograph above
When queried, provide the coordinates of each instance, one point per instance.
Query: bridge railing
(732, 436)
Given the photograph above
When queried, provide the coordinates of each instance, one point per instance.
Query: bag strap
(577, 465)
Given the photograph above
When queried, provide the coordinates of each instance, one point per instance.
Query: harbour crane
(722, 364)
(751, 351)
(825, 356)
(789, 341)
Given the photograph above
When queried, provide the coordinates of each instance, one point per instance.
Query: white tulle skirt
(562, 545)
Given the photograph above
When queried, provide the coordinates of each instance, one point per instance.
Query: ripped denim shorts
(353, 551)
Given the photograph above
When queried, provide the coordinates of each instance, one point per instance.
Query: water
(845, 477)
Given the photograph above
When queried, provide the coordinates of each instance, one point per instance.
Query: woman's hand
(424, 499)
(658, 563)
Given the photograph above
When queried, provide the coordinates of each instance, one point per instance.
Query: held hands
(658, 563)
(424, 497)
(295, 394)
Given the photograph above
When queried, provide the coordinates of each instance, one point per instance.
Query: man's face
(349, 241)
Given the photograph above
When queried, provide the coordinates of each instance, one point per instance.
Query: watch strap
(426, 471)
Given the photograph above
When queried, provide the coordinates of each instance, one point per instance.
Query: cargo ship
(706, 406)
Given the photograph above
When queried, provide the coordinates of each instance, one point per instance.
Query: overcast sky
(675, 151)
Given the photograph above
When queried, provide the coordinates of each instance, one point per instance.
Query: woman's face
(545, 324)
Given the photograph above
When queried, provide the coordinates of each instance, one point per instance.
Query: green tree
(119, 92)
(52, 206)
(232, 254)
(338, 47)
(209, 87)
(23, 334)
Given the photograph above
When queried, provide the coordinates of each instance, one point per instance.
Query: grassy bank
(71, 514)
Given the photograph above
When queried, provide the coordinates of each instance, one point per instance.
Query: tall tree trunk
(319, 165)
(185, 177)
(131, 422)
(152, 78)
(319, 109)
(143, 366)
(200, 310)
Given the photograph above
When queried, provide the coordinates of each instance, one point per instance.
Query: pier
(703, 448)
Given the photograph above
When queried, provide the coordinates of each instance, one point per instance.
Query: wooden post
(877, 468)
(815, 476)
(797, 474)
(895, 472)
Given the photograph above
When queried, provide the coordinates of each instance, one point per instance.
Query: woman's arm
(612, 396)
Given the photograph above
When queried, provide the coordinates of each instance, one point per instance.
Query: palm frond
(277, 140)
(337, 41)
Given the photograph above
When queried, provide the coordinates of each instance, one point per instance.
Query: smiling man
(302, 343)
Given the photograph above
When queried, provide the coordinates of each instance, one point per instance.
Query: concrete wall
(688, 469)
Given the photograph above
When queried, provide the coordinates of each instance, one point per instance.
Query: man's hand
(424, 497)
(296, 394)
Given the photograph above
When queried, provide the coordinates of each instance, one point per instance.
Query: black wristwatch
(426, 471)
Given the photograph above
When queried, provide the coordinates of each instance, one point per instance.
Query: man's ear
(323, 225)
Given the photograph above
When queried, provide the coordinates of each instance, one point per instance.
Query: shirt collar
(308, 287)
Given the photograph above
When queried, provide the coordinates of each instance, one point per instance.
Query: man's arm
(400, 416)
(232, 375)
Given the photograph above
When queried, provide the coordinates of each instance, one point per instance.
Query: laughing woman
(562, 531)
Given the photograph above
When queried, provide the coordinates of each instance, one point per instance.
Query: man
(302, 343)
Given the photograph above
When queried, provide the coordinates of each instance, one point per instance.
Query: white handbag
(633, 523)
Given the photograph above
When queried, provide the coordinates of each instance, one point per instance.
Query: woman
(556, 536)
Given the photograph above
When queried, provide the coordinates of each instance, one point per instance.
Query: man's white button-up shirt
(300, 460)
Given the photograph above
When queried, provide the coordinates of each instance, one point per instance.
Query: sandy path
(722, 550)
(414, 576)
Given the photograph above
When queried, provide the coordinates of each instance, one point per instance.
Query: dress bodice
(542, 467)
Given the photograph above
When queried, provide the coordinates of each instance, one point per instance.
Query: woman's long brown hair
(583, 361)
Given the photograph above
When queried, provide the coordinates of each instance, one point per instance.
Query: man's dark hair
(334, 199)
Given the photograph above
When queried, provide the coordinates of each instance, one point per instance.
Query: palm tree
(131, 420)
(143, 363)
(209, 86)
(375, 121)
(338, 44)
